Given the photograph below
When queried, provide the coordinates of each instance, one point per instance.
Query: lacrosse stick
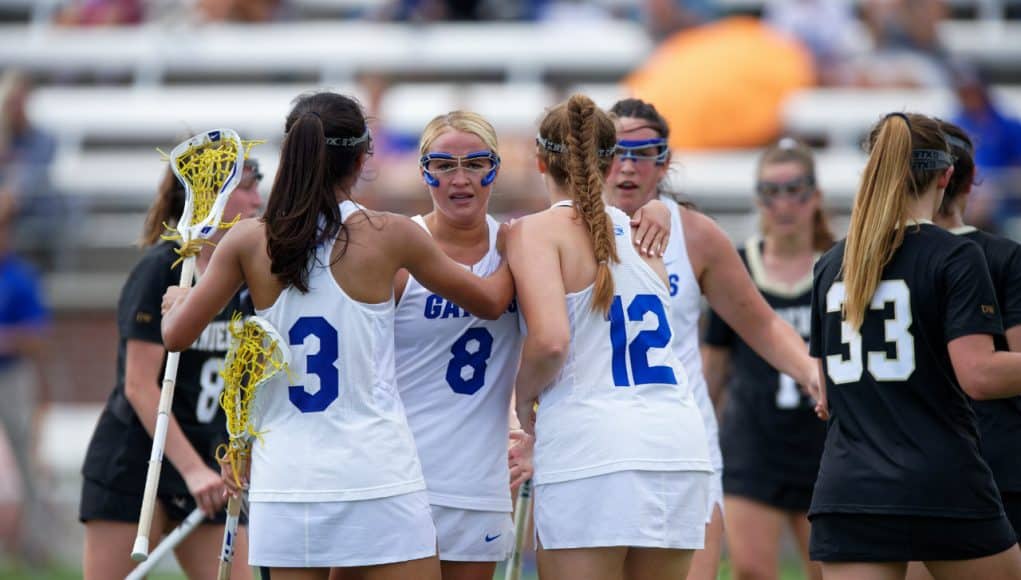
(522, 513)
(257, 353)
(209, 166)
(169, 543)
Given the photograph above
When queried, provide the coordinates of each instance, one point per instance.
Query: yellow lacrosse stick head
(257, 354)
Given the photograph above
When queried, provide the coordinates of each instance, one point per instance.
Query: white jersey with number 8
(455, 373)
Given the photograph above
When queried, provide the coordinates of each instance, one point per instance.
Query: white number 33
(881, 367)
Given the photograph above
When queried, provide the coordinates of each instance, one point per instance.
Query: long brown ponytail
(324, 140)
(589, 136)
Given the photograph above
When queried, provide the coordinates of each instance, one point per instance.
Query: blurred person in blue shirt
(23, 325)
(996, 204)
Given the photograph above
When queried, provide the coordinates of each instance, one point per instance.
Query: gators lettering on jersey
(901, 437)
(769, 429)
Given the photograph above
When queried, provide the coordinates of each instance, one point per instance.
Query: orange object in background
(722, 85)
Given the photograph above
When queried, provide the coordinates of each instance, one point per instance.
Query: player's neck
(459, 234)
(923, 207)
(794, 245)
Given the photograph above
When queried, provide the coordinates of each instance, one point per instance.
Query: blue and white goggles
(443, 163)
(643, 150)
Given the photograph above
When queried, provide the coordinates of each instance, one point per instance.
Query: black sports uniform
(770, 437)
(901, 476)
(117, 458)
(999, 421)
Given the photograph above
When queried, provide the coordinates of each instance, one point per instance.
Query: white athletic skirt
(647, 509)
(473, 535)
(341, 533)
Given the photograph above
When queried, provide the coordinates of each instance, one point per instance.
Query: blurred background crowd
(91, 88)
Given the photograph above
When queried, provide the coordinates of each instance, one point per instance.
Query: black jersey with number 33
(902, 437)
(999, 421)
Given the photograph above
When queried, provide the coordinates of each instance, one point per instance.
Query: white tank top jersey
(333, 428)
(685, 308)
(622, 400)
(455, 374)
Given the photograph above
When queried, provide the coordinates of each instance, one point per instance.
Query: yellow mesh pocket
(256, 355)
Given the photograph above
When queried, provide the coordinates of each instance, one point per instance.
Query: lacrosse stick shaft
(140, 551)
(522, 514)
(174, 538)
(230, 530)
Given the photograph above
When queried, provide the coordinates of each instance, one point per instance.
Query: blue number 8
(638, 350)
(476, 360)
(321, 364)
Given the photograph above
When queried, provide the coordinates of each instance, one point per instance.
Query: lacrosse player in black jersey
(903, 319)
(769, 434)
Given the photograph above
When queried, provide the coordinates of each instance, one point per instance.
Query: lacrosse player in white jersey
(622, 466)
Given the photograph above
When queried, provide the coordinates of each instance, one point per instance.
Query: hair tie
(315, 114)
(902, 116)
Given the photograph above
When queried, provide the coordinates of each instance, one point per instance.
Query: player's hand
(231, 485)
(525, 410)
(207, 488)
(171, 297)
(652, 228)
(501, 237)
(519, 458)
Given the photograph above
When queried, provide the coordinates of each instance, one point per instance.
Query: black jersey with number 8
(902, 437)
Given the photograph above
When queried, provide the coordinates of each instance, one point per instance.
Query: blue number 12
(638, 350)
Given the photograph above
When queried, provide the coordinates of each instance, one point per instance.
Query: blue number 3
(475, 360)
(321, 364)
(638, 351)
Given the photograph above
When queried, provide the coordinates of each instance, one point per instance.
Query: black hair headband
(555, 147)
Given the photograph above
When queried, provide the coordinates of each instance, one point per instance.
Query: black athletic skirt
(782, 496)
(838, 537)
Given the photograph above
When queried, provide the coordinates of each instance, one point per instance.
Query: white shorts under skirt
(342, 533)
(648, 509)
(473, 535)
(715, 495)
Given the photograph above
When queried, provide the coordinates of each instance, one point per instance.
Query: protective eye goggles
(643, 150)
(483, 163)
(798, 189)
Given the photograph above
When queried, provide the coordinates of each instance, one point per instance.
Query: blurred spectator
(824, 26)
(664, 17)
(23, 322)
(906, 49)
(996, 201)
(247, 11)
(101, 13)
(26, 154)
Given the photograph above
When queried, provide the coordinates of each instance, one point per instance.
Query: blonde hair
(584, 134)
(878, 217)
(464, 121)
(790, 150)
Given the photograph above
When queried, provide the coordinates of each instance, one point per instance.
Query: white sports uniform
(455, 374)
(335, 479)
(685, 309)
(618, 430)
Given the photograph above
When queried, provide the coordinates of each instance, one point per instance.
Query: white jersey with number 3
(333, 428)
(455, 373)
(622, 400)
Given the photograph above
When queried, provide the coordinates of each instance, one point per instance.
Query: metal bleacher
(113, 94)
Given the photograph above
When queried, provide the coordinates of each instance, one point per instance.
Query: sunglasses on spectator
(799, 189)
(250, 179)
